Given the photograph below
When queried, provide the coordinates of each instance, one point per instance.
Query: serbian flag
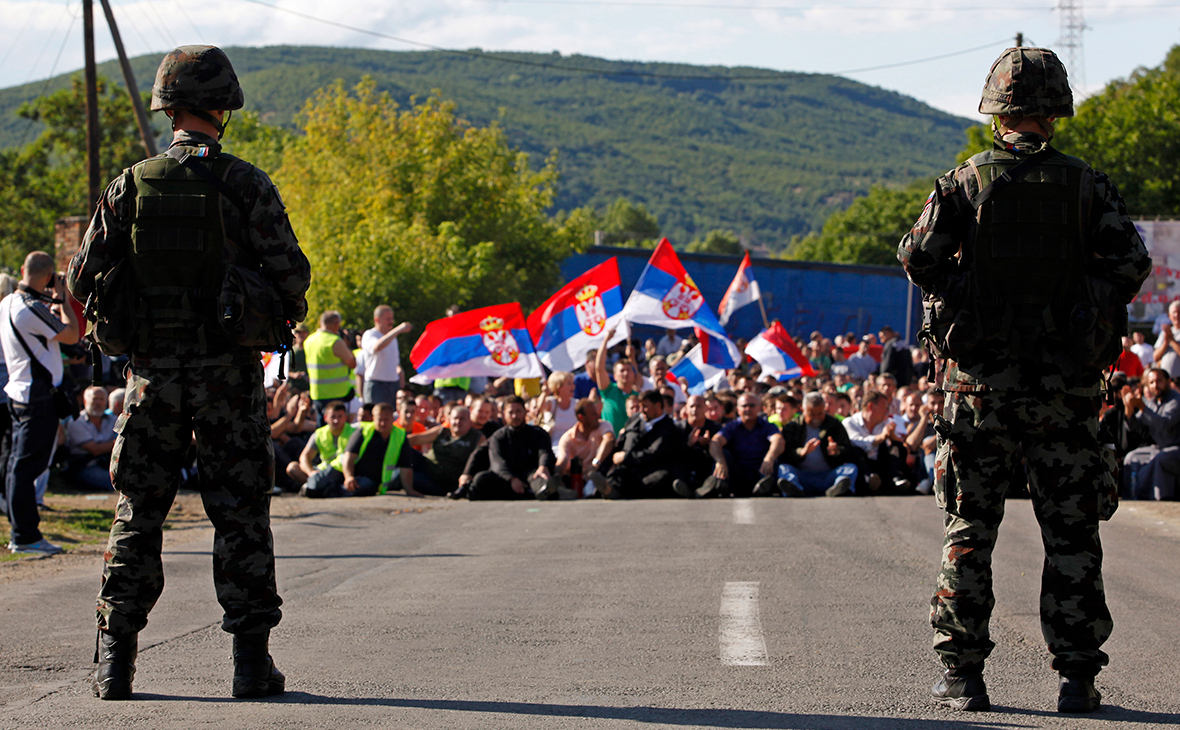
(704, 366)
(492, 341)
(578, 316)
(778, 355)
(742, 291)
(666, 296)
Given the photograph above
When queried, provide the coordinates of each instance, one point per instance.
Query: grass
(70, 527)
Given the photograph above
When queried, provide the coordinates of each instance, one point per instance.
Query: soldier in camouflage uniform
(179, 230)
(1003, 269)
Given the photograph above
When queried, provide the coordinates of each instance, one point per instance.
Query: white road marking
(742, 644)
(743, 511)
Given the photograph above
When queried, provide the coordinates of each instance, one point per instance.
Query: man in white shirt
(383, 370)
(872, 430)
(658, 367)
(1144, 351)
(30, 334)
(90, 438)
(1167, 347)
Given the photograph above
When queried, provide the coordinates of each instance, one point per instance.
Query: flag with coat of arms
(666, 296)
(491, 341)
(578, 316)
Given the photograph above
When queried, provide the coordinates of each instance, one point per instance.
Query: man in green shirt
(614, 395)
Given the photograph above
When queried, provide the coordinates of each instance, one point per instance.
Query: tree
(629, 225)
(46, 179)
(717, 241)
(1131, 131)
(979, 139)
(418, 209)
(868, 231)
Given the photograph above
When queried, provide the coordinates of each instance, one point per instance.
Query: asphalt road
(716, 614)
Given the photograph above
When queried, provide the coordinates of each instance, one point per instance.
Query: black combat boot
(1078, 694)
(115, 655)
(255, 674)
(963, 690)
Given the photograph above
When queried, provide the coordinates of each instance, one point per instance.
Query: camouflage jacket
(930, 251)
(268, 233)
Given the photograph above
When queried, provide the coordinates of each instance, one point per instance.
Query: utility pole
(92, 131)
(141, 119)
(1070, 42)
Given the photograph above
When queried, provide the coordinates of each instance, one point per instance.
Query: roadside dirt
(187, 522)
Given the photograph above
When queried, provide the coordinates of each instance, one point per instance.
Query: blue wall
(804, 295)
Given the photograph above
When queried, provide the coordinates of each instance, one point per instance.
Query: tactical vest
(1029, 252)
(327, 374)
(331, 446)
(177, 249)
(393, 450)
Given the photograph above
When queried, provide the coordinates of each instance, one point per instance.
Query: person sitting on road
(326, 443)
(872, 431)
(647, 454)
(584, 449)
(1150, 471)
(449, 452)
(697, 432)
(745, 451)
(520, 459)
(920, 438)
(817, 458)
(375, 460)
(90, 438)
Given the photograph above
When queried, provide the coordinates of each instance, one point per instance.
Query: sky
(936, 51)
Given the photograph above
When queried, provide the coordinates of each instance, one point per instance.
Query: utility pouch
(111, 310)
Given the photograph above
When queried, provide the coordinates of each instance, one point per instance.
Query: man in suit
(649, 449)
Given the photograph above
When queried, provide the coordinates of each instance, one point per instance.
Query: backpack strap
(1010, 175)
(186, 160)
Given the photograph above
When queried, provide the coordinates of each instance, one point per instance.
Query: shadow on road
(700, 717)
(334, 556)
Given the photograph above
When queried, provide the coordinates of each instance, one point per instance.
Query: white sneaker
(41, 547)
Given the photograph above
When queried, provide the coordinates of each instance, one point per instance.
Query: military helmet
(196, 77)
(1027, 82)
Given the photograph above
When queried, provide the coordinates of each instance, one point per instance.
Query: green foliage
(718, 241)
(629, 225)
(869, 231)
(1131, 131)
(979, 139)
(419, 209)
(261, 144)
(768, 157)
(47, 178)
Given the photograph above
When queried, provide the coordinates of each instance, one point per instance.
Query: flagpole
(762, 308)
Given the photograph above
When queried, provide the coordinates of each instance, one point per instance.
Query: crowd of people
(620, 428)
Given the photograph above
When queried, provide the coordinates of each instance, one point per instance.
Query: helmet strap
(201, 114)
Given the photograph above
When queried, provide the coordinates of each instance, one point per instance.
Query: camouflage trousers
(1072, 486)
(225, 408)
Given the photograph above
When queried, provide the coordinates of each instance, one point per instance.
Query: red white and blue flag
(578, 316)
(666, 296)
(742, 291)
(704, 366)
(491, 341)
(778, 354)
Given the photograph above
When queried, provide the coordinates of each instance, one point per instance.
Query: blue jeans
(34, 434)
(94, 478)
(817, 482)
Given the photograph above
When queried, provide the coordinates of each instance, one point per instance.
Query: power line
(582, 69)
(714, 6)
(49, 78)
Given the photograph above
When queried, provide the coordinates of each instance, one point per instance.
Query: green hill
(768, 156)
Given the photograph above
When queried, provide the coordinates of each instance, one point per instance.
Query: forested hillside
(769, 155)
